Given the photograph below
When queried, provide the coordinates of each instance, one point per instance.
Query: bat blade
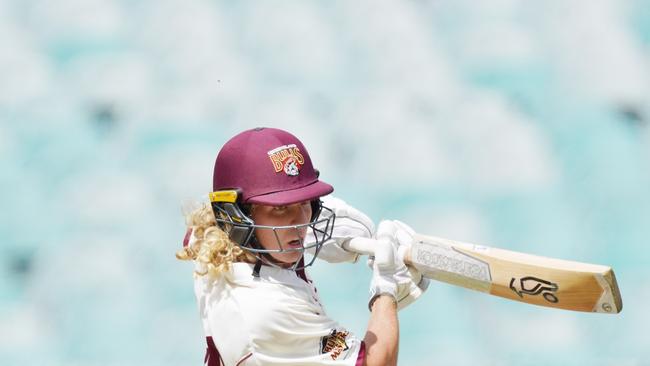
(517, 276)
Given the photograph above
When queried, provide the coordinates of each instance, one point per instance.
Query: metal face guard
(241, 230)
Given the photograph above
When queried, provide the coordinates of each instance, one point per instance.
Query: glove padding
(349, 223)
(409, 283)
(389, 274)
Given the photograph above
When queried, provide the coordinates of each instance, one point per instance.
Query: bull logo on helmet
(291, 167)
(287, 158)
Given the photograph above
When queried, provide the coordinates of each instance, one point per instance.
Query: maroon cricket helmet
(268, 166)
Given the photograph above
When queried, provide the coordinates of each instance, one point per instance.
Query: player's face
(291, 238)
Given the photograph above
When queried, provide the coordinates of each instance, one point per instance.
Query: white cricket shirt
(275, 319)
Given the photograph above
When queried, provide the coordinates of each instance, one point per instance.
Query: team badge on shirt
(334, 343)
(287, 158)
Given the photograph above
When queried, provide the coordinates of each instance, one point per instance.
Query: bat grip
(368, 247)
(360, 246)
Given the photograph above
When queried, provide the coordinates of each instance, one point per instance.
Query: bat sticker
(534, 286)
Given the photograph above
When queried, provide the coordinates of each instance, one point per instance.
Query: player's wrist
(382, 300)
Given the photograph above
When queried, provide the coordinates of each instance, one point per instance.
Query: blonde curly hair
(212, 247)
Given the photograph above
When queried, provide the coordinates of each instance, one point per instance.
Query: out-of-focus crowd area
(517, 124)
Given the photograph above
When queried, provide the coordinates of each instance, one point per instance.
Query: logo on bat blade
(534, 286)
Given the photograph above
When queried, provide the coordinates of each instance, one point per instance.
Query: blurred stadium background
(517, 124)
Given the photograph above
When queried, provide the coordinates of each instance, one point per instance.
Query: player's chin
(288, 258)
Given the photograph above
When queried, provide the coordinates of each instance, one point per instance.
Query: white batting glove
(401, 236)
(349, 223)
(389, 273)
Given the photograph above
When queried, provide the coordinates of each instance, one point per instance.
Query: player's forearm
(382, 336)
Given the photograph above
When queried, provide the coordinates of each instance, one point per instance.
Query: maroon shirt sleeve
(362, 354)
(212, 356)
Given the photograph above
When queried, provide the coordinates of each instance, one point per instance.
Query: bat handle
(368, 247)
(360, 246)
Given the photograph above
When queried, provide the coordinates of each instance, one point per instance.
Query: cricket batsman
(256, 300)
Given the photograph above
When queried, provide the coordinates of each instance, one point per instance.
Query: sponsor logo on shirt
(334, 343)
(287, 158)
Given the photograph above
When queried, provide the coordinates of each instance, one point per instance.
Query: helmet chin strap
(258, 262)
(256, 269)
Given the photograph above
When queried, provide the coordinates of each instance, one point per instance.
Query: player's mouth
(296, 243)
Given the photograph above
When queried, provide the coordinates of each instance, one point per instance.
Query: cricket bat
(516, 276)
